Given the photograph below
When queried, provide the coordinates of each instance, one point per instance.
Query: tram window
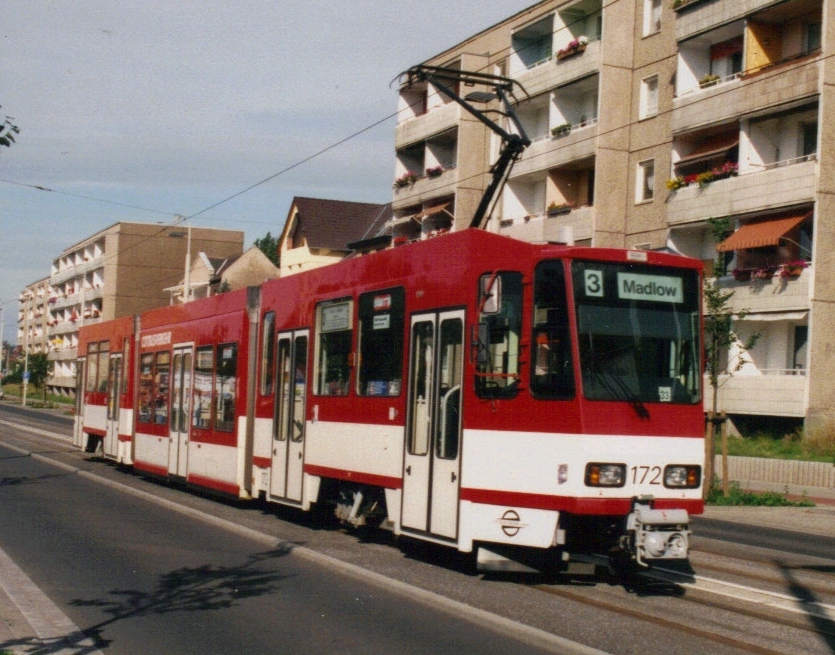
(146, 389)
(497, 338)
(162, 373)
(125, 363)
(92, 367)
(104, 357)
(268, 354)
(226, 386)
(381, 320)
(202, 404)
(552, 375)
(333, 348)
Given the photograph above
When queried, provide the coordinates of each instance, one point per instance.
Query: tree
(8, 131)
(269, 246)
(39, 371)
(719, 337)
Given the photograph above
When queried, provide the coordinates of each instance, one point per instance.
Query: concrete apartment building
(119, 271)
(649, 118)
(33, 317)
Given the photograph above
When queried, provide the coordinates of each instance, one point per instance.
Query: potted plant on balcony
(574, 47)
(793, 269)
(405, 180)
(555, 209)
(764, 273)
(434, 171)
(560, 130)
(708, 80)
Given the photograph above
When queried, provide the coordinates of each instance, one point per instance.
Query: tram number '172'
(646, 474)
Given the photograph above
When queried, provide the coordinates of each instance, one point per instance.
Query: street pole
(26, 346)
(187, 275)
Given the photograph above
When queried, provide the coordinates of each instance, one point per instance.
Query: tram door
(289, 425)
(433, 429)
(114, 392)
(180, 420)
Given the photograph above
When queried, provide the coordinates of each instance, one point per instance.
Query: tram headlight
(682, 476)
(605, 475)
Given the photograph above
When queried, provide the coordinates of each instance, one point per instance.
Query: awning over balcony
(710, 149)
(761, 235)
(435, 209)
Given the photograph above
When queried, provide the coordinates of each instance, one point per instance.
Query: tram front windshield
(638, 330)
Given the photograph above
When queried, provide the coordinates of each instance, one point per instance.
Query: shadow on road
(808, 601)
(205, 588)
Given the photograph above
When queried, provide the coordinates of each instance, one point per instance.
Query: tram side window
(552, 375)
(146, 389)
(333, 348)
(381, 320)
(226, 386)
(202, 403)
(268, 354)
(162, 372)
(92, 367)
(498, 332)
(104, 356)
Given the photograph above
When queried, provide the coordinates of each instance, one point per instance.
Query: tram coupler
(655, 534)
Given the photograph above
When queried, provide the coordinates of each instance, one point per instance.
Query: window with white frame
(652, 16)
(649, 96)
(645, 181)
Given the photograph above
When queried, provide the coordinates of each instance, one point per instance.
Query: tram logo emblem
(510, 523)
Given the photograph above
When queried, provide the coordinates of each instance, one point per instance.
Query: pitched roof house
(317, 231)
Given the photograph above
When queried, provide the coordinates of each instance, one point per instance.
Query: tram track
(731, 599)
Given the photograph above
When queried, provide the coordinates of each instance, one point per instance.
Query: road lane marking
(51, 626)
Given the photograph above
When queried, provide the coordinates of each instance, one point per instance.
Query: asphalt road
(140, 578)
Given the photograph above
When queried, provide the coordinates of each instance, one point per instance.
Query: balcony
(420, 128)
(556, 72)
(578, 224)
(425, 189)
(696, 16)
(776, 392)
(779, 186)
(748, 93)
(552, 151)
(772, 295)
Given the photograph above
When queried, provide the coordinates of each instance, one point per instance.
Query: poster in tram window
(226, 387)
(202, 406)
(146, 389)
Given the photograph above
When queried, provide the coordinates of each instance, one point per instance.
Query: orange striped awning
(761, 235)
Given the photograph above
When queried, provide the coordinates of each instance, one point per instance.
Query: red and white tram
(470, 390)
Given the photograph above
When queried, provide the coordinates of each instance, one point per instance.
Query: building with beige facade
(33, 317)
(119, 271)
(653, 122)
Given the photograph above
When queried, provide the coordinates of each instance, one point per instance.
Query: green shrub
(738, 496)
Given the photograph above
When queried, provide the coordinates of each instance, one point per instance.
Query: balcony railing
(781, 394)
(750, 191)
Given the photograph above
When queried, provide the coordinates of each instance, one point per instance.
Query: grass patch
(738, 496)
(813, 447)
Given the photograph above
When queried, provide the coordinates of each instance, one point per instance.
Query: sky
(145, 110)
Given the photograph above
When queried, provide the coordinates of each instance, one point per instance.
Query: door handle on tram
(409, 470)
(453, 477)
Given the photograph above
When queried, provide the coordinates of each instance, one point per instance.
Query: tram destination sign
(656, 288)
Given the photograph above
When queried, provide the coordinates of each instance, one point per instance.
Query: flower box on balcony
(574, 47)
(434, 172)
(792, 269)
(561, 130)
(405, 180)
(555, 209)
(709, 80)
